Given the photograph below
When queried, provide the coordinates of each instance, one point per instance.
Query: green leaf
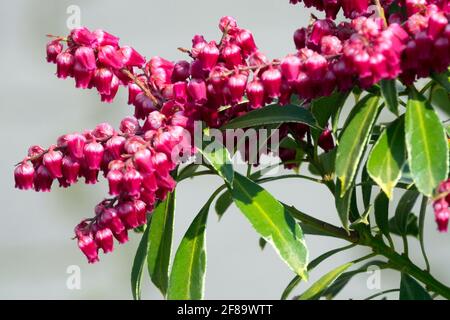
(270, 219)
(353, 140)
(320, 285)
(410, 289)
(326, 107)
(339, 284)
(343, 205)
(366, 186)
(439, 99)
(187, 171)
(426, 144)
(314, 263)
(223, 203)
(160, 242)
(403, 211)
(412, 228)
(187, 278)
(382, 213)
(138, 265)
(389, 92)
(219, 157)
(442, 79)
(387, 157)
(273, 114)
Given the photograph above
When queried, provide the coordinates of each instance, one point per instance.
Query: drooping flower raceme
(222, 80)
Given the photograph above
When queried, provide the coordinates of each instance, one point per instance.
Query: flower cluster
(441, 206)
(221, 81)
(137, 162)
(94, 59)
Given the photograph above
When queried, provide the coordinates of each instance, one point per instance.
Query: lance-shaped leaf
(410, 289)
(272, 222)
(387, 157)
(389, 92)
(219, 157)
(354, 138)
(273, 114)
(403, 211)
(320, 285)
(187, 279)
(138, 265)
(160, 243)
(442, 79)
(426, 144)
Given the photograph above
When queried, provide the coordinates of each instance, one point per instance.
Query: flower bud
(300, 38)
(129, 125)
(54, 48)
(180, 71)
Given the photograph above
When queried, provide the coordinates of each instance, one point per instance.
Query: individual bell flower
(24, 175)
(82, 76)
(54, 48)
(131, 58)
(64, 65)
(127, 214)
(142, 160)
(209, 55)
(132, 181)
(110, 57)
(115, 146)
(110, 218)
(83, 37)
(140, 208)
(43, 179)
(181, 71)
(102, 80)
(290, 67)
(245, 40)
(85, 58)
(113, 88)
(52, 160)
(197, 91)
(93, 153)
(104, 239)
(255, 94)
(114, 178)
(103, 131)
(231, 54)
(89, 248)
(236, 86)
(300, 38)
(75, 144)
(70, 169)
(104, 38)
(271, 79)
(129, 125)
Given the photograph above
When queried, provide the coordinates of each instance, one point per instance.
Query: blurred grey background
(36, 229)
